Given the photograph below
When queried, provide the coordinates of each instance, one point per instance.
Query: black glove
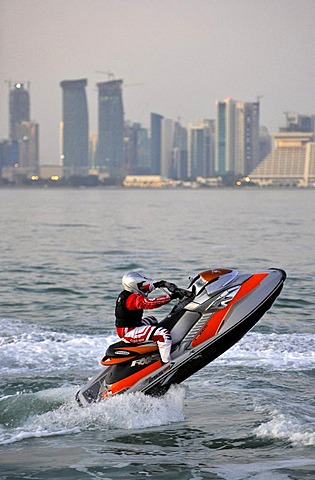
(170, 286)
(160, 284)
(176, 294)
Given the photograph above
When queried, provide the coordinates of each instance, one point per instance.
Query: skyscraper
(155, 144)
(110, 148)
(179, 170)
(173, 149)
(75, 130)
(225, 136)
(28, 148)
(167, 146)
(237, 137)
(19, 108)
(200, 149)
(23, 133)
(246, 137)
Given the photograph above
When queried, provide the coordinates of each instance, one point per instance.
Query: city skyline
(228, 148)
(71, 101)
(176, 59)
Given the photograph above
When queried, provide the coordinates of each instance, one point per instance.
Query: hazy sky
(176, 57)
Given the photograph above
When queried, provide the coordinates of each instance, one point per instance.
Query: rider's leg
(159, 335)
(164, 341)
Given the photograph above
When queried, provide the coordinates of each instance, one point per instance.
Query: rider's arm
(138, 302)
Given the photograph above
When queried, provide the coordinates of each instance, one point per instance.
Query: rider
(131, 302)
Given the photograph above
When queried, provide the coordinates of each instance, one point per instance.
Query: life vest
(125, 317)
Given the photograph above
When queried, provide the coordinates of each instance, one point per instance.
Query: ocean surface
(247, 415)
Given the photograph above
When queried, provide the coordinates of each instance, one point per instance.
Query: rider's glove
(170, 286)
(176, 294)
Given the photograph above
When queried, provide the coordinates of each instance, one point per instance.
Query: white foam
(25, 347)
(276, 351)
(28, 347)
(288, 428)
(127, 411)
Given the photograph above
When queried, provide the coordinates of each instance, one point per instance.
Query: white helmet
(137, 283)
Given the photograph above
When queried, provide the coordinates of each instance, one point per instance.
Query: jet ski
(213, 313)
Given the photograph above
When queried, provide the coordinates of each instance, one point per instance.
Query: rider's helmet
(135, 282)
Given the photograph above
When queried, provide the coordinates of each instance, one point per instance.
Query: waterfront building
(167, 145)
(225, 137)
(179, 159)
(19, 108)
(74, 128)
(237, 137)
(173, 149)
(201, 149)
(155, 143)
(110, 147)
(28, 149)
(179, 164)
(143, 149)
(21, 153)
(145, 181)
(246, 137)
(136, 149)
(291, 163)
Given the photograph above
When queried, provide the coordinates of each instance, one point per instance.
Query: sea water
(247, 415)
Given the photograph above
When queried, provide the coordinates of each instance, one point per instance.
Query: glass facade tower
(246, 137)
(156, 121)
(200, 149)
(75, 130)
(19, 109)
(110, 148)
(237, 137)
(225, 137)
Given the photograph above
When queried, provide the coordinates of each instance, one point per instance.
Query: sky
(176, 57)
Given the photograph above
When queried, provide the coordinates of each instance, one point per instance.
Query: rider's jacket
(124, 316)
(130, 306)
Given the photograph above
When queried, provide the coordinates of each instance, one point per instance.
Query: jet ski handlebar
(174, 289)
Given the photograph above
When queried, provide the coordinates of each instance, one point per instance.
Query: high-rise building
(237, 137)
(136, 149)
(225, 137)
(179, 164)
(23, 134)
(173, 141)
(246, 137)
(201, 149)
(167, 145)
(180, 167)
(19, 108)
(155, 143)
(28, 148)
(75, 129)
(110, 148)
(143, 149)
